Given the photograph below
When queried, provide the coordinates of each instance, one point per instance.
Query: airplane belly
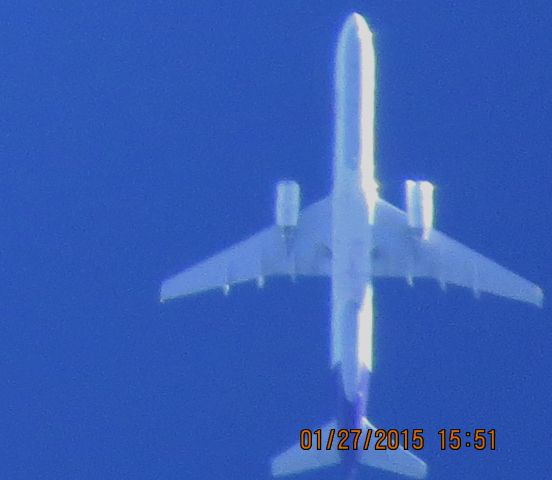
(352, 334)
(351, 292)
(354, 200)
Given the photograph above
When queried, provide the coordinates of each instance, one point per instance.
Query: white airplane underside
(398, 252)
(352, 236)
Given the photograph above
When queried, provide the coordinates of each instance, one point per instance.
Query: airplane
(352, 236)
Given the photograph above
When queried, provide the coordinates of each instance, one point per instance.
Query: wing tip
(275, 469)
(164, 295)
(423, 469)
(539, 300)
(534, 295)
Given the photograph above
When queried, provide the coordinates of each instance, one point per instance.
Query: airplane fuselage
(353, 212)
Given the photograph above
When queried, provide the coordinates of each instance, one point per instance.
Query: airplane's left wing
(400, 253)
(262, 255)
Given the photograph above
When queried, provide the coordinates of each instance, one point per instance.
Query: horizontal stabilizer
(399, 461)
(296, 460)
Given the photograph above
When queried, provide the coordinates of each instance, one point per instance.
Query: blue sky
(137, 138)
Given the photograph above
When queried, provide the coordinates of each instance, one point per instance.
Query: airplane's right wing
(400, 253)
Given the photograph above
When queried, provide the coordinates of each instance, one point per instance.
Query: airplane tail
(295, 460)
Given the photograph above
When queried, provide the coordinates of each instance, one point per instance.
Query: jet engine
(288, 203)
(419, 207)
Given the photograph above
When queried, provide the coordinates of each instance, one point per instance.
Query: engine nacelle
(419, 206)
(288, 204)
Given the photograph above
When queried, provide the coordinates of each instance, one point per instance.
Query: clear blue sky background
(139, 137)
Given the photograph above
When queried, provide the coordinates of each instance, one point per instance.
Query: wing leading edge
(262, 255)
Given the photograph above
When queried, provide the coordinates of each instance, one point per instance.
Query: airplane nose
(356, 22)
(356, 18)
